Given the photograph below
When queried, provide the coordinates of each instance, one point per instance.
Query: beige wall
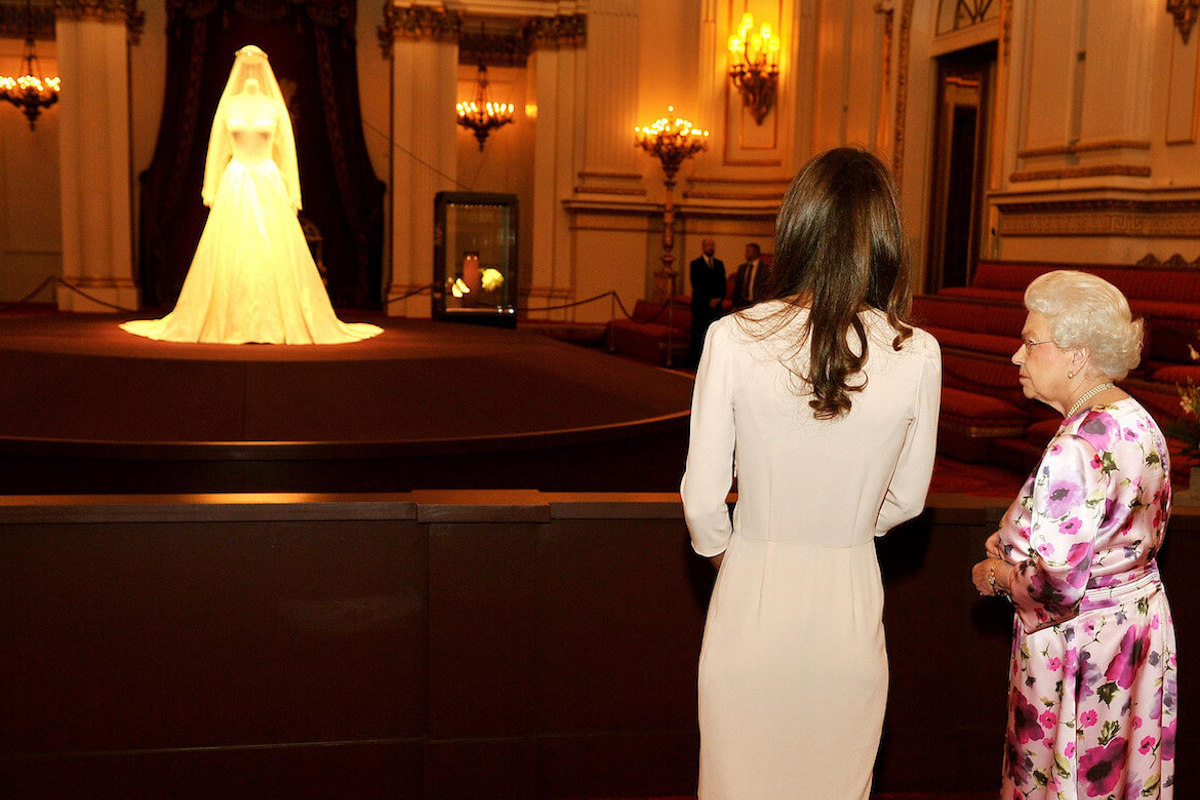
(1102, 163)
(1092, 160)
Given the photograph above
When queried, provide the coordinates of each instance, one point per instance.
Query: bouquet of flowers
(1186, 428)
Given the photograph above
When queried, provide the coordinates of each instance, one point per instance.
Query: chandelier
(671, 141)
(30, 92)
(754, 66)
(481, 116)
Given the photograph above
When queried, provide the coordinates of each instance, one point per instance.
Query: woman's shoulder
(919, 342)
(1103, 426)
(923, 342)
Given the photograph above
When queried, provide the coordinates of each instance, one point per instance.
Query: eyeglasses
(1029, 344)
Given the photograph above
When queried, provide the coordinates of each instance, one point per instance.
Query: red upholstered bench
(951, 338)
(1167, 297)
(653, 329)
(969, 420)
(979, 325)
(978, 373)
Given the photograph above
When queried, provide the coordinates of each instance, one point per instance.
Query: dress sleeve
(285, 155)
(220, 150)
(709, 472)
(1066, 509)
(905, 497)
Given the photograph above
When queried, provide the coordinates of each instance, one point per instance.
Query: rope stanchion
(48, 281)
(54, 279)
(426, 288)
(97, 300)
(614, 300)
(571, 305)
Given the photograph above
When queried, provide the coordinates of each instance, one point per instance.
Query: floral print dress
(1092, 699)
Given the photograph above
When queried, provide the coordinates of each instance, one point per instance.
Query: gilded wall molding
(123, 11)
(1006, 11)
(1167, 219)
(1086, 147)
(1065, 173)
(1176, 261)
(885, 9)
(902, 91)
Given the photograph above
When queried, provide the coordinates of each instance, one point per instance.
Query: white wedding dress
(253, 278)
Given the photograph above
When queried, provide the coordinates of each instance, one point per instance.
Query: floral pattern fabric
(1092, 700)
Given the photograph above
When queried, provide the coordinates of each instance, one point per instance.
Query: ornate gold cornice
(423, 23)
(1168, 219)
(1184, 12)
(14, 21)
(124, 11)
(418, 23)
(554, 33)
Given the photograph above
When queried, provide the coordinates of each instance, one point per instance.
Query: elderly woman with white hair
(1092, 679)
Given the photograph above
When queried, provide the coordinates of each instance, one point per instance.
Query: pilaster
(424, 69)
(610, 161)
(557, 73)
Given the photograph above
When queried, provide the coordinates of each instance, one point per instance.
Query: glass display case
(475, 258)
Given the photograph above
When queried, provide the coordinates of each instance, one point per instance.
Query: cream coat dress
(793, 670)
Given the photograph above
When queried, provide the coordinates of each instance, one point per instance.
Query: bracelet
(991, 579)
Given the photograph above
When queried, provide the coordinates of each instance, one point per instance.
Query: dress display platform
(85, 407)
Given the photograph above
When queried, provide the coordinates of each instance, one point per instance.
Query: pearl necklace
(1088, 395)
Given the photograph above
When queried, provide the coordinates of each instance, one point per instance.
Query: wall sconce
(754, 66)
(1184, 12)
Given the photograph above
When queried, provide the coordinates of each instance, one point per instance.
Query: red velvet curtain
(311, 45)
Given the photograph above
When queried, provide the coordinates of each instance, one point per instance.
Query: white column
(610, 159)
(424, 83)
(557, 76)
(95, 174)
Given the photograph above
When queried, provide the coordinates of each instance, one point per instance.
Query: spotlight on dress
(253, 278)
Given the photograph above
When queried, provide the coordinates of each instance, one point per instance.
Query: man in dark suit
(708, 292)
(751, 278)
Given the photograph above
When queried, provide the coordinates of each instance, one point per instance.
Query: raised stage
(86, 407)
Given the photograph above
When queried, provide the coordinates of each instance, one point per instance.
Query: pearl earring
(1070, 375)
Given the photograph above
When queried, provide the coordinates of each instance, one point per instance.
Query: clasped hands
(993, 575)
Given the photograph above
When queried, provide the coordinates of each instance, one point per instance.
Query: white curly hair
(1084, 310)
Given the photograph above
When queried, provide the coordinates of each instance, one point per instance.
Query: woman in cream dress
(824, 403)
(252, 278)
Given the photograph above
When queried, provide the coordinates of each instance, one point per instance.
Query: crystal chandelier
(481, 116)
(30, 92)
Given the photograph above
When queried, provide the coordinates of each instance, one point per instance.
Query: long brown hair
(840, 248)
